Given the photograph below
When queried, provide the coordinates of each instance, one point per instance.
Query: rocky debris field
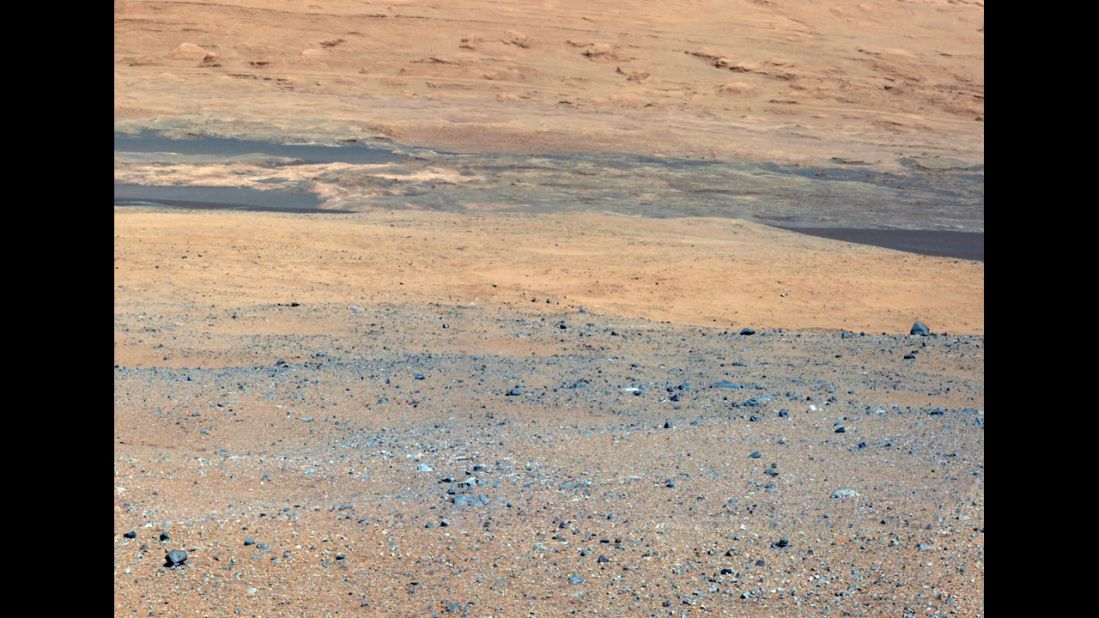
(431, 460)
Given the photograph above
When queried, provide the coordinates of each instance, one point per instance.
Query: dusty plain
(504, 373)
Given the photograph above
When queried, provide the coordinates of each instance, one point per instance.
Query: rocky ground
(416, 460)
(523, 346)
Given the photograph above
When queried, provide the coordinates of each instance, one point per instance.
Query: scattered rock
(839, 494)
(175, 558)
(920, 329)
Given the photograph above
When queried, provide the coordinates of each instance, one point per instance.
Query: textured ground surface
(624, 461)
(267, 387)
(511, 380)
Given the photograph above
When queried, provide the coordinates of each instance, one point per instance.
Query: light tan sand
(695, 271)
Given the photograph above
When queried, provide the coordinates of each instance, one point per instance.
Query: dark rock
(132, 534)
(249, 541)
(747, 331)
(175, 558)
(603, 559)
(755, 454)
(164, 537)
(919, 329)
(782, 542)
(515, 392)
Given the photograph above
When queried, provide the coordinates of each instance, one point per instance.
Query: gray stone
(175, 558)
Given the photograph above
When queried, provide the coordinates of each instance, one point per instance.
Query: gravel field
(432, 460)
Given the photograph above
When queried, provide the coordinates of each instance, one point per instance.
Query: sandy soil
(335, 459)
(713, 272)
(872, 80)
(442, 406)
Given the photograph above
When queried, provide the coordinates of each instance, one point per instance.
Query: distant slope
(778, 80)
